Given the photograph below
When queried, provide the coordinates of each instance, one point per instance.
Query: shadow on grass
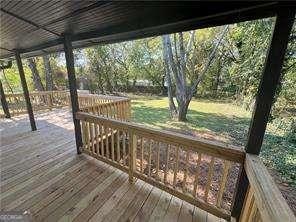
(235, 128)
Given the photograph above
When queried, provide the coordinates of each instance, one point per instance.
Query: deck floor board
(42, 174)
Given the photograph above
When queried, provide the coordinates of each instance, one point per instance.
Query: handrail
(182, 165)
(264, 201)
(228, 152)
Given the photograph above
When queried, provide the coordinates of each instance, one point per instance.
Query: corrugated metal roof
(37, 27)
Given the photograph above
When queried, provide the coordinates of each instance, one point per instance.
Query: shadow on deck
(41, 173)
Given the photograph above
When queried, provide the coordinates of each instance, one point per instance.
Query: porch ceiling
(36, 27)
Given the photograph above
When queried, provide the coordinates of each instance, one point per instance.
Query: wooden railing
(264, 202)
(109, 106)
(202, 173)
(40, 101)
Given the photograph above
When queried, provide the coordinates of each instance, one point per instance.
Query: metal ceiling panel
(36, 27)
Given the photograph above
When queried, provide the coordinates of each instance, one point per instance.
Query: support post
(73, 89)
(25, 90)
(265, 96)
(4, 102)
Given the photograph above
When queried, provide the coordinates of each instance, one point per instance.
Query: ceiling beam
(29, 22)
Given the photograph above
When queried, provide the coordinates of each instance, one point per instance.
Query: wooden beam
(4, 102)
(73, 89)
(265, 96)
(25, 89)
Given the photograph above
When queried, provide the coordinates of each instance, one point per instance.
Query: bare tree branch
(209, 62)
(190, 44)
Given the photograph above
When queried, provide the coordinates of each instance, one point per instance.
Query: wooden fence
(199, 172)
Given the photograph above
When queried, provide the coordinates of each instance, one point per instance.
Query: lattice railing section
(202, 173)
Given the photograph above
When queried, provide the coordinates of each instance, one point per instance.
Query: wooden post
(4, 102)
(265, 95)
(73, 89)
(25, 90)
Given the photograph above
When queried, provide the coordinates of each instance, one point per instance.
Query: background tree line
(220, 62)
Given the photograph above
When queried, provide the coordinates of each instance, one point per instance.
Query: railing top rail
(102, 96)
(37, 93)
(227, 152)
(270, 202)
(80, 94)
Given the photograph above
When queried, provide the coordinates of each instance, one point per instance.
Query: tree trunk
(48, 73)
(163, 87)
(109, 86)
(178, 66)
(172, 106)
(35, 75)
(7, 82)
(182, 110)
(217, 80)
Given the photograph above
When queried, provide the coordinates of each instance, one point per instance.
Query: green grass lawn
(221, 121)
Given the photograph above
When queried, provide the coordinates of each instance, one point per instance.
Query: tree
(179, 67)
(48, 73)
(35, 74)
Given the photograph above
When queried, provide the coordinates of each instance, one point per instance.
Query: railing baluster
(107, 110)
(121, 112)
(117, 111)
(124, 149)
(96, 138)
(209, 178)
(157, 160)
(88, 136)
(142, 154)
(114, 110)
(186, 171)
(112, 144)
(132, 150)
(83, 124)
(167, 163)
(90, 126)
(196, 175)
(102, 140)
(118, 145)
(149, 157)
(223, 182)
(176, 166)
(107, 141)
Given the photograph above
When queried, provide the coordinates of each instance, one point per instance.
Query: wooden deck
(41, 173)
